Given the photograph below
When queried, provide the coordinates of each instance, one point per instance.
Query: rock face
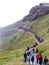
(36, 12)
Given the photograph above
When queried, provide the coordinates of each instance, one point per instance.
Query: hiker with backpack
(40, 59)
(45, 60)
(32, 56)
(35, 60)
(28, 58)
(31, 50)
(28, 55)
(32, 59)
(37, 57)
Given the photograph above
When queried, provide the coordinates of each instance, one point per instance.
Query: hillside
(15, 43)
(24, 39)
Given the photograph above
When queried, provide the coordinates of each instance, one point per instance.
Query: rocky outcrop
(36, 12)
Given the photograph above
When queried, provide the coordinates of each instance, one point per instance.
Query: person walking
(28, 54)
(45, 60)
(37, 57)
(40, 59)
(36, 50)
(31, 50)
(28, 58)
(32, 59)
(25, 57)
(35, 60)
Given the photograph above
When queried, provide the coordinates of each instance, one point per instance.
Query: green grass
(15, 45)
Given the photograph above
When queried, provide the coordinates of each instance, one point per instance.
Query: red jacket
(37, 55)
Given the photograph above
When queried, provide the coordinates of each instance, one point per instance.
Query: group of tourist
(32, 57)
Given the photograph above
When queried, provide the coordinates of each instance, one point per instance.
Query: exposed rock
(36, 12)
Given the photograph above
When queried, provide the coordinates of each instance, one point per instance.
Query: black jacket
(32, 59)
(45, 60)
(40, 60)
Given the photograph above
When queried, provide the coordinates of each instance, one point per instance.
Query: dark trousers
(40, 63)
(37, 60)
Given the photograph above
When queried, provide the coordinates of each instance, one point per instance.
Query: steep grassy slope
(19, 40)
(17, 43)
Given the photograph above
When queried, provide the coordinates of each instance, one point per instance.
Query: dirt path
(29, 31)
